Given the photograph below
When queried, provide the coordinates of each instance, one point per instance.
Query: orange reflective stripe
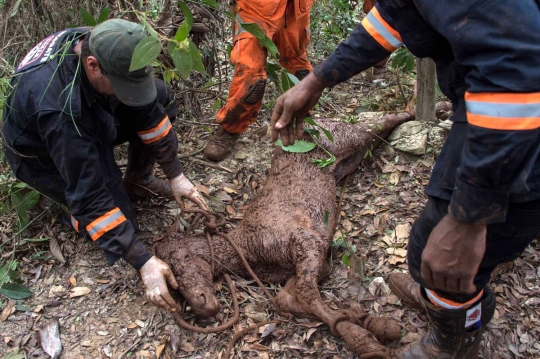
(383, 22)
(156, 133)
(504, 111)
(498, 97)
(381, 31)
(75, 224)
(449, 304)
(105, 223)
(504, 123)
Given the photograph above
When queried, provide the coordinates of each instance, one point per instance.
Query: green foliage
(298, 146)
(15, 291)
(403, 60)
(332, 21)
(325, 162)
(327, 133)
(288, 80)
(341, 243)
(188, 15)
(264, 40)
(89, 20)
(146, 51)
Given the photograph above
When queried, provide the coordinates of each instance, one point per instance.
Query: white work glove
(155, 275)
(182, 188)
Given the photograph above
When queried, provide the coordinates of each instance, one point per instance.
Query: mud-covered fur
(287, 230)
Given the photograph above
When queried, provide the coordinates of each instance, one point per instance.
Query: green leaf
(14, 354)
(146, 51)
(3, 208)
(16, 202)
(229, 50)
(325, 162)
(87, 18)
(210, 3)
(15, 8)
(327, 133)
(346, 259)
(104, 14)
(286, 81)
(272, 72)
(15, 291)
(297, 147)
(182, 33)
(216, 105)
(19, 185)
(31, 199)
(196, 60)
(264, 40)
(182, 58)
(188, 15)
(268, 44)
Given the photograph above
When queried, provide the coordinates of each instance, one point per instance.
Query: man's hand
(295, 104)
(155, 275)
(452, 255)
(182, 188)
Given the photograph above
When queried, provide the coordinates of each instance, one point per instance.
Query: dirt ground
(380, 202)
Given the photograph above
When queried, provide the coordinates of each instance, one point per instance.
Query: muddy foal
(286, 234)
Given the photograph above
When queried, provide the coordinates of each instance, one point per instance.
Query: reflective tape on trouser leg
(254, 93)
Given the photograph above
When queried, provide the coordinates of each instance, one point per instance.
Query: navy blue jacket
(487, 56)
(57, 123)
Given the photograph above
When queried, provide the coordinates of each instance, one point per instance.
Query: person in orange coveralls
(286, 22)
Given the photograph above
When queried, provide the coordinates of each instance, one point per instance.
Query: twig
(211, 165)
(196, 152)
(403, 98)
(131, 347)
(241, 333)
(338, 213)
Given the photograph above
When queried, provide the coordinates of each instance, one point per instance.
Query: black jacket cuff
(478, 205)
(137, 255)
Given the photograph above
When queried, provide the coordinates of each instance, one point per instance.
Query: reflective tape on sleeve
(381, 31)
(105, 223)
(75, 224)
(157, 133)
(504, 111)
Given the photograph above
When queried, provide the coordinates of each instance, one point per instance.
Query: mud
(286, 235)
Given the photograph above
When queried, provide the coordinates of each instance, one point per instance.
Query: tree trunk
(426, 77)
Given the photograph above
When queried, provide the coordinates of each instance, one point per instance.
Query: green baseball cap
(113, 43)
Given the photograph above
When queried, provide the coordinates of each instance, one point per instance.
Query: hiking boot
(220, 145)
(407, 290)
(301, 74)
(139, 179)
(452, 333)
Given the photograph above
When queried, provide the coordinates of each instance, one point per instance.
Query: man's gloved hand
(155, 275)
(182, 188)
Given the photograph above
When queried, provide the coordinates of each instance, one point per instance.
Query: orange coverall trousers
(286, 22)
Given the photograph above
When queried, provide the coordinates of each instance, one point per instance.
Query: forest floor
(111, 317)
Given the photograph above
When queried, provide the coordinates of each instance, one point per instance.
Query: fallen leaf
(240, 155)
(140, 323)
(107, 350)
(8, 310)
(73, 281)
(102, 333)
(202, 188)
(57, 291)
(160, 349)
(230, 210)
(50, 338)
(394, 178)
(132, 326)
(122, 297)
(230, 190)
(403, 231)
(187, 347)
(79, 292)
(268, 329)
(397, 251)
(259, 347)
(55, 250)
(395, 260)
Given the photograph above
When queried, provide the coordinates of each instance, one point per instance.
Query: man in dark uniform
(484, 193)
(73, 99)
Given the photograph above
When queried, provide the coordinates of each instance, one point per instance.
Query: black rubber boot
(447, 336)
(139, 178)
